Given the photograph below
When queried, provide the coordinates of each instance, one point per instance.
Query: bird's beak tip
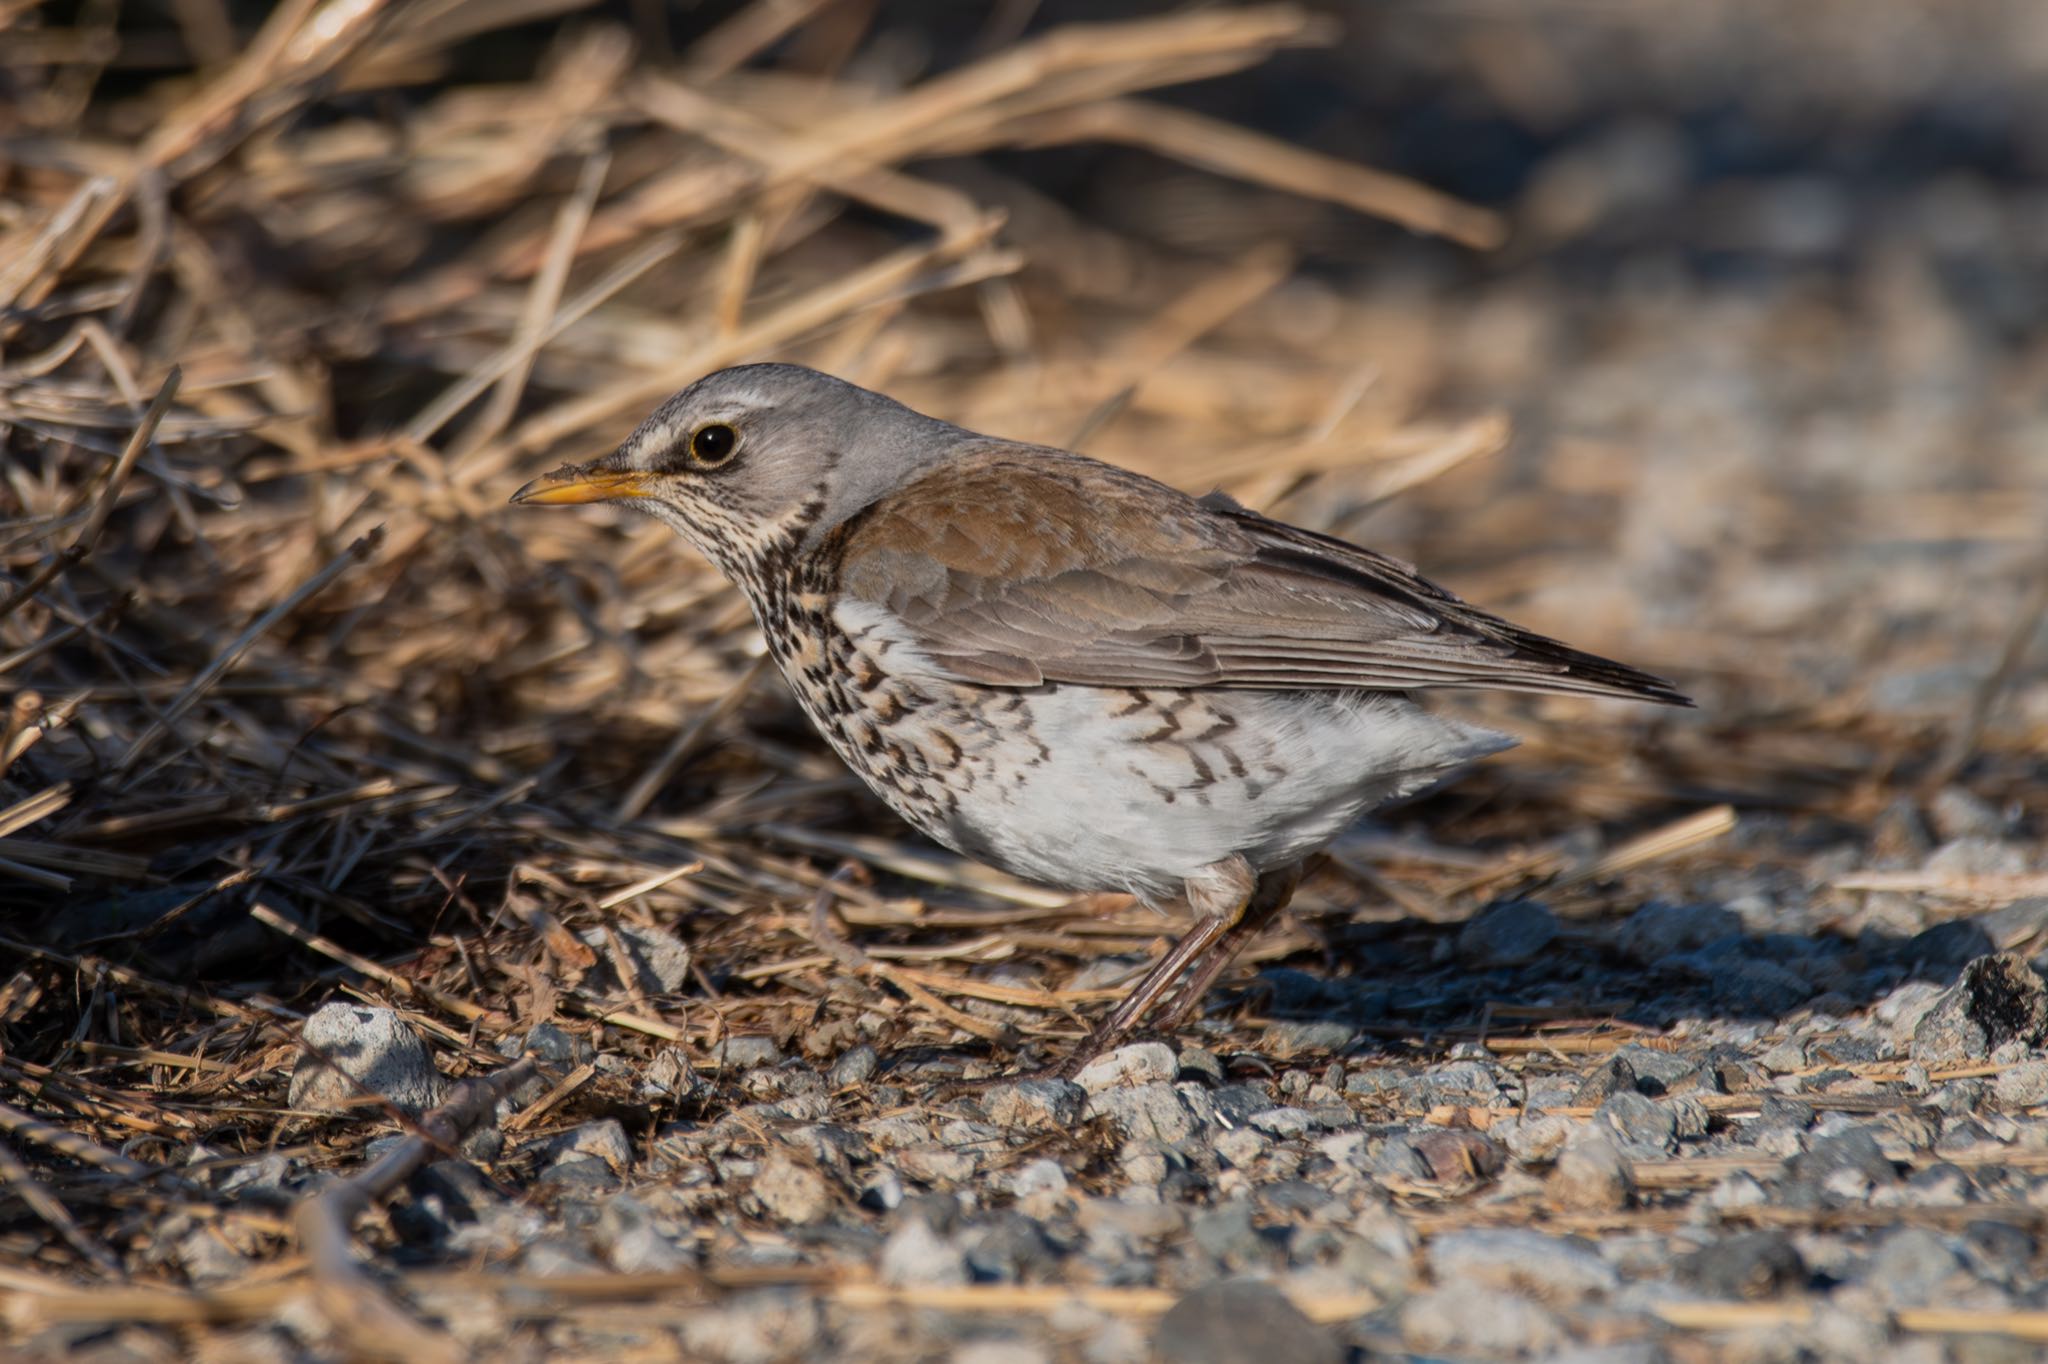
(573, 483)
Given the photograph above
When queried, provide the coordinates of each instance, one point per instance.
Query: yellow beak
(574, 483)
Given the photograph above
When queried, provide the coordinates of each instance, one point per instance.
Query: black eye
(714, 444)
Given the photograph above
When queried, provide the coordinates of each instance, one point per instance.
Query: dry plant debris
(339, 803)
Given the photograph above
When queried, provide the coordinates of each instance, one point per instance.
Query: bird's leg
(1274, 890)
(1220, 896)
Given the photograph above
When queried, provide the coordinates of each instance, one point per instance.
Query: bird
(1086, 678)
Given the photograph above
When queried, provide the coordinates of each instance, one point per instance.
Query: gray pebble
(916, 1254)
(791, 1192)
(668, 1079)
(1912, 1268)
(855, 1066)
(1284, 1122)
(1035, 1105)
(1591, 1175)
(1997, 999)
(1198, 1063)
(1645, 1126)
(938, 1166)
(1484, 1323)
(1227, 1235)
(627, 1233)
(1310, 1037)
(1660, 930)
(1959, 813)
(554, 1045)
(751, 1328)
(1506, 933)
(1153, 1111)
(657, 959)
(1749, 1266)
(1241, 1321)
(745, 1053)
(882, 1191)
(354, 1050)
(1553, 1269)
(1141, 1063)
(2023, 1086)
(1615, 1075)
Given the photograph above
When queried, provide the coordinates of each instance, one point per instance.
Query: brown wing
(1011, 567)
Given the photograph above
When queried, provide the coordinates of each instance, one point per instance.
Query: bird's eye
(713, 445)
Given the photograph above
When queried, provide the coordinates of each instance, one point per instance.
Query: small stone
(1481, 1323)
(790, 1192)
(1002, 1352)
(669, 1078)
(1959, 813)
(1284, 1122)
(1459, 1159)
(1591, 1175)
(1977, 857)
(1241, 1147)
(1041, 1178)
(895, 1131)
(555, 1045)
(1537, 1141)
(1753, 1265)
(1199, 1063)
(1227, 1235)
(355, 1052)
(1847, 1163)
(554, 1255)
(1506, 933)
(1902, 1009)
(1241, 1321)
(753, 1328)
(1913, 1268)
(207, 1258)
(1007, 1248)
(1752, 985)
(1643, 1124)
(2023, 1086)
(1784, 1058)
(658, 960)
(604, 1140)
(915, 1254)
(882, 1192)
(1552, 1269)
(1035, 1105)
(1153, 1111)
(1660, 930)
(1689, 1117)
(1310, 1037)
(940, 1167)
(631, 1242)
(745, 1053)
(1144, 1164)
(1739, 1190)
(1141, 1063)
(855, 1066)
(1998, 999)
(1615, 1075)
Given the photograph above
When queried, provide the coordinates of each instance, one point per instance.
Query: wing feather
(1014, 566)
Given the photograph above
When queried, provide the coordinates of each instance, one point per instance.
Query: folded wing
(1011, 569)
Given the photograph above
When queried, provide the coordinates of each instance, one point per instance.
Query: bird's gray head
(757, 455)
